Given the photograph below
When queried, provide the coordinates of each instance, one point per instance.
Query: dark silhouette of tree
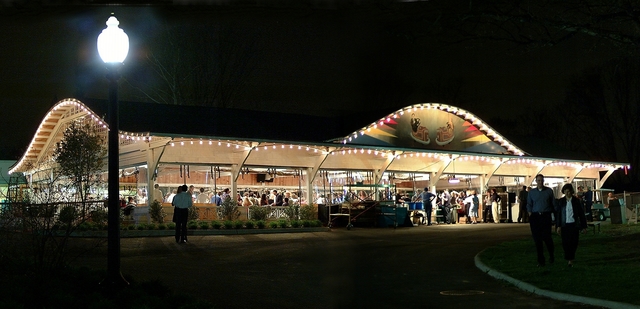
(601, 111)
(541, 23)
(194, 63)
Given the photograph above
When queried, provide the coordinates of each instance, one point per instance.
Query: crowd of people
(244, 198)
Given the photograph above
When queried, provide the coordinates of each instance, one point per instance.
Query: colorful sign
(429, 129)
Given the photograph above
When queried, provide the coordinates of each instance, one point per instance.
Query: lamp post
(113, 46)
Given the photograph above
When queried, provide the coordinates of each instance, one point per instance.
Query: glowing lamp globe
(113, 43)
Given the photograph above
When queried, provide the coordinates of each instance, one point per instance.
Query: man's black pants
(540, 224)
(181, 217)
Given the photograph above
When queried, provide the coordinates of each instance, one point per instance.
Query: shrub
(162, 226)
(192, 225)
(152, 226)
(305, 223)
(283, 224)
(156, 212)
(228, 224)
(193, 213)
(229, 208)
(216, 224)
(67, 215)
(249, 225)
(171, 226)
(316, 223)
(260, 224)
(85, 226)
(273, 224)
(141, 226)
(295, 223)
(238, 224)
(131, 227)
(258, 213)
(292, 211)
(204, 225)
(99, 216)
(308, 212)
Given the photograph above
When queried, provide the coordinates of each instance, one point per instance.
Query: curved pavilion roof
(164, 134)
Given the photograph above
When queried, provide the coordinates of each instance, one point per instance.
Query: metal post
(114, 277)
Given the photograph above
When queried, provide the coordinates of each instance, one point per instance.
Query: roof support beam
(245, 155)
(436, 175)
(154, 154)
(383, 169)
(487, 176)
(573, 176)
(313, 172)
(601, 181)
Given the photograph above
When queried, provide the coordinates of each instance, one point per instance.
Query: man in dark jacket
(278, 200)
(540, 206)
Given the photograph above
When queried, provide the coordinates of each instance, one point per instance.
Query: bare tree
(193, 63)
(536, 23)
(601, 113)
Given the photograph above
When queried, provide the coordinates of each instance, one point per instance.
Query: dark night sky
(314, 60)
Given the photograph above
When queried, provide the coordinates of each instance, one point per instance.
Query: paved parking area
(425, 266)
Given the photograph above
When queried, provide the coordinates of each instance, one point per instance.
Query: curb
(550, 294)
(164, 233)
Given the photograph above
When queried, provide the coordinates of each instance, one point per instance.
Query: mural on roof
(428, 128)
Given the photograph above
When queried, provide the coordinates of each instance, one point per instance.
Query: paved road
(375, 268)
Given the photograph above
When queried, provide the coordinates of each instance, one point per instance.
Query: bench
(594, 225)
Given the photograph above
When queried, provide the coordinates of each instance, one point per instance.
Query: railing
(22, 209)
(212, 212)
(29, 216)
(277, 212)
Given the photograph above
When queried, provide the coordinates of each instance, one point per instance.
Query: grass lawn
(607, 265)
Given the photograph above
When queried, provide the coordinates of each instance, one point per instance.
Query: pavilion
(429, 144)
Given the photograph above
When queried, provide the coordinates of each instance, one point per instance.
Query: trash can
(617, 212)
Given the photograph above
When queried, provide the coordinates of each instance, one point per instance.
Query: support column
(311, 199)
(235, 171)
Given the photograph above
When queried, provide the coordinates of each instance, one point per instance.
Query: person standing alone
(495, 206)
(157, 194)
(523, 215)
(427, 199)
(540, 205)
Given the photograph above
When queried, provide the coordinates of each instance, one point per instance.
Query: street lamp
(113, 46)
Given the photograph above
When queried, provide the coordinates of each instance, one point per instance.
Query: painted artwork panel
(429, 129)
